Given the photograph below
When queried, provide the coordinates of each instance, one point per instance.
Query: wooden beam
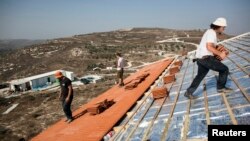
(206, 103)
(165, 131)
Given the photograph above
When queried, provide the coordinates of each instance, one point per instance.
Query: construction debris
(159, 92)
(100, 107)
(10, 109)
(168, 79)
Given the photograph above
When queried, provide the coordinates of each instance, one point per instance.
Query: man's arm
(60, 94)
(69, 93)
(119, 63)
(211, 47)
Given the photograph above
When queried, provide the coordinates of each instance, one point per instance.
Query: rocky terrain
(82, 53)
(12, 44)
(36, 111)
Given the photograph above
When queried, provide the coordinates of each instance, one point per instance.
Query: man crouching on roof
(209, 57)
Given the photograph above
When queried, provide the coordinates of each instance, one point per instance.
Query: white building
(41, 81)
(93, 78)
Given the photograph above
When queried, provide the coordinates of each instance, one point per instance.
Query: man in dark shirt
(66, 94)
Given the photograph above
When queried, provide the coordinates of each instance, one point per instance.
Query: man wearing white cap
(206, 59)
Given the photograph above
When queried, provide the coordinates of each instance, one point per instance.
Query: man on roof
(65, 95)
(209, 57)
(120, 69)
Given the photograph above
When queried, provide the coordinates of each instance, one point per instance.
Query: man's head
(118, 54)
(219, 25)
(59, 75)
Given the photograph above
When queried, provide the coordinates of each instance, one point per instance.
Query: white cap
(220, 22)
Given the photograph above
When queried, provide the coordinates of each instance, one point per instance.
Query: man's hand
(223, 55)
(223, 52)
(221, 48)
(60, 95)
(67, 100)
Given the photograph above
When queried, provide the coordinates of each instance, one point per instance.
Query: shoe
(189, 96)
(225, 90)
(70, 120)
(66, 120)
(121, 85)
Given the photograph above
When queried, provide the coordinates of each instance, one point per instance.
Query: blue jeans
(204, 65)
(66, 108)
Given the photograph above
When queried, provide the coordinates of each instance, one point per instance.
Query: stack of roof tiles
(159, 92)
(136, 81)
(100, 107)
(178, 63)
(169, 79)
(221, 48)
(176, 67)
(174, 70)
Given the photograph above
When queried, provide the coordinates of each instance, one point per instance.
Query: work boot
(225, 90)
(189, 96)
(121, 85)
(70, 120)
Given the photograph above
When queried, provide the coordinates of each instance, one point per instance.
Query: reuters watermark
(226, 131)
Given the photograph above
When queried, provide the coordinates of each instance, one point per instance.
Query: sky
(47, 19)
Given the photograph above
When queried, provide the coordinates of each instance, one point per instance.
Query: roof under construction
(136, 115)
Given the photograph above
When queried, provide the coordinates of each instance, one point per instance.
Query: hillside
(12, 44)
(81, 53)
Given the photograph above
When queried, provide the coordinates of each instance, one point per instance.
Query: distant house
(161, 53)
(109, 68)
(38, 82)
(92, 78)
(97, 69)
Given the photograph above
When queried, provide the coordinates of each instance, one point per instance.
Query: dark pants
(120, 76)
(204, 65)
(66, 108)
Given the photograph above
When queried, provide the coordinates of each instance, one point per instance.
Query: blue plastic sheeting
(181, 108)
(157, 129)
(230, 84)
(248, 91)
(215, 102)
(197, 126)
(244, 82)
(164, 113)
(174, 132)
(236, 99)
(238, 74)
(242, 115)
(195, 116)
(220, 118)
(197, 106)
(248, 69)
